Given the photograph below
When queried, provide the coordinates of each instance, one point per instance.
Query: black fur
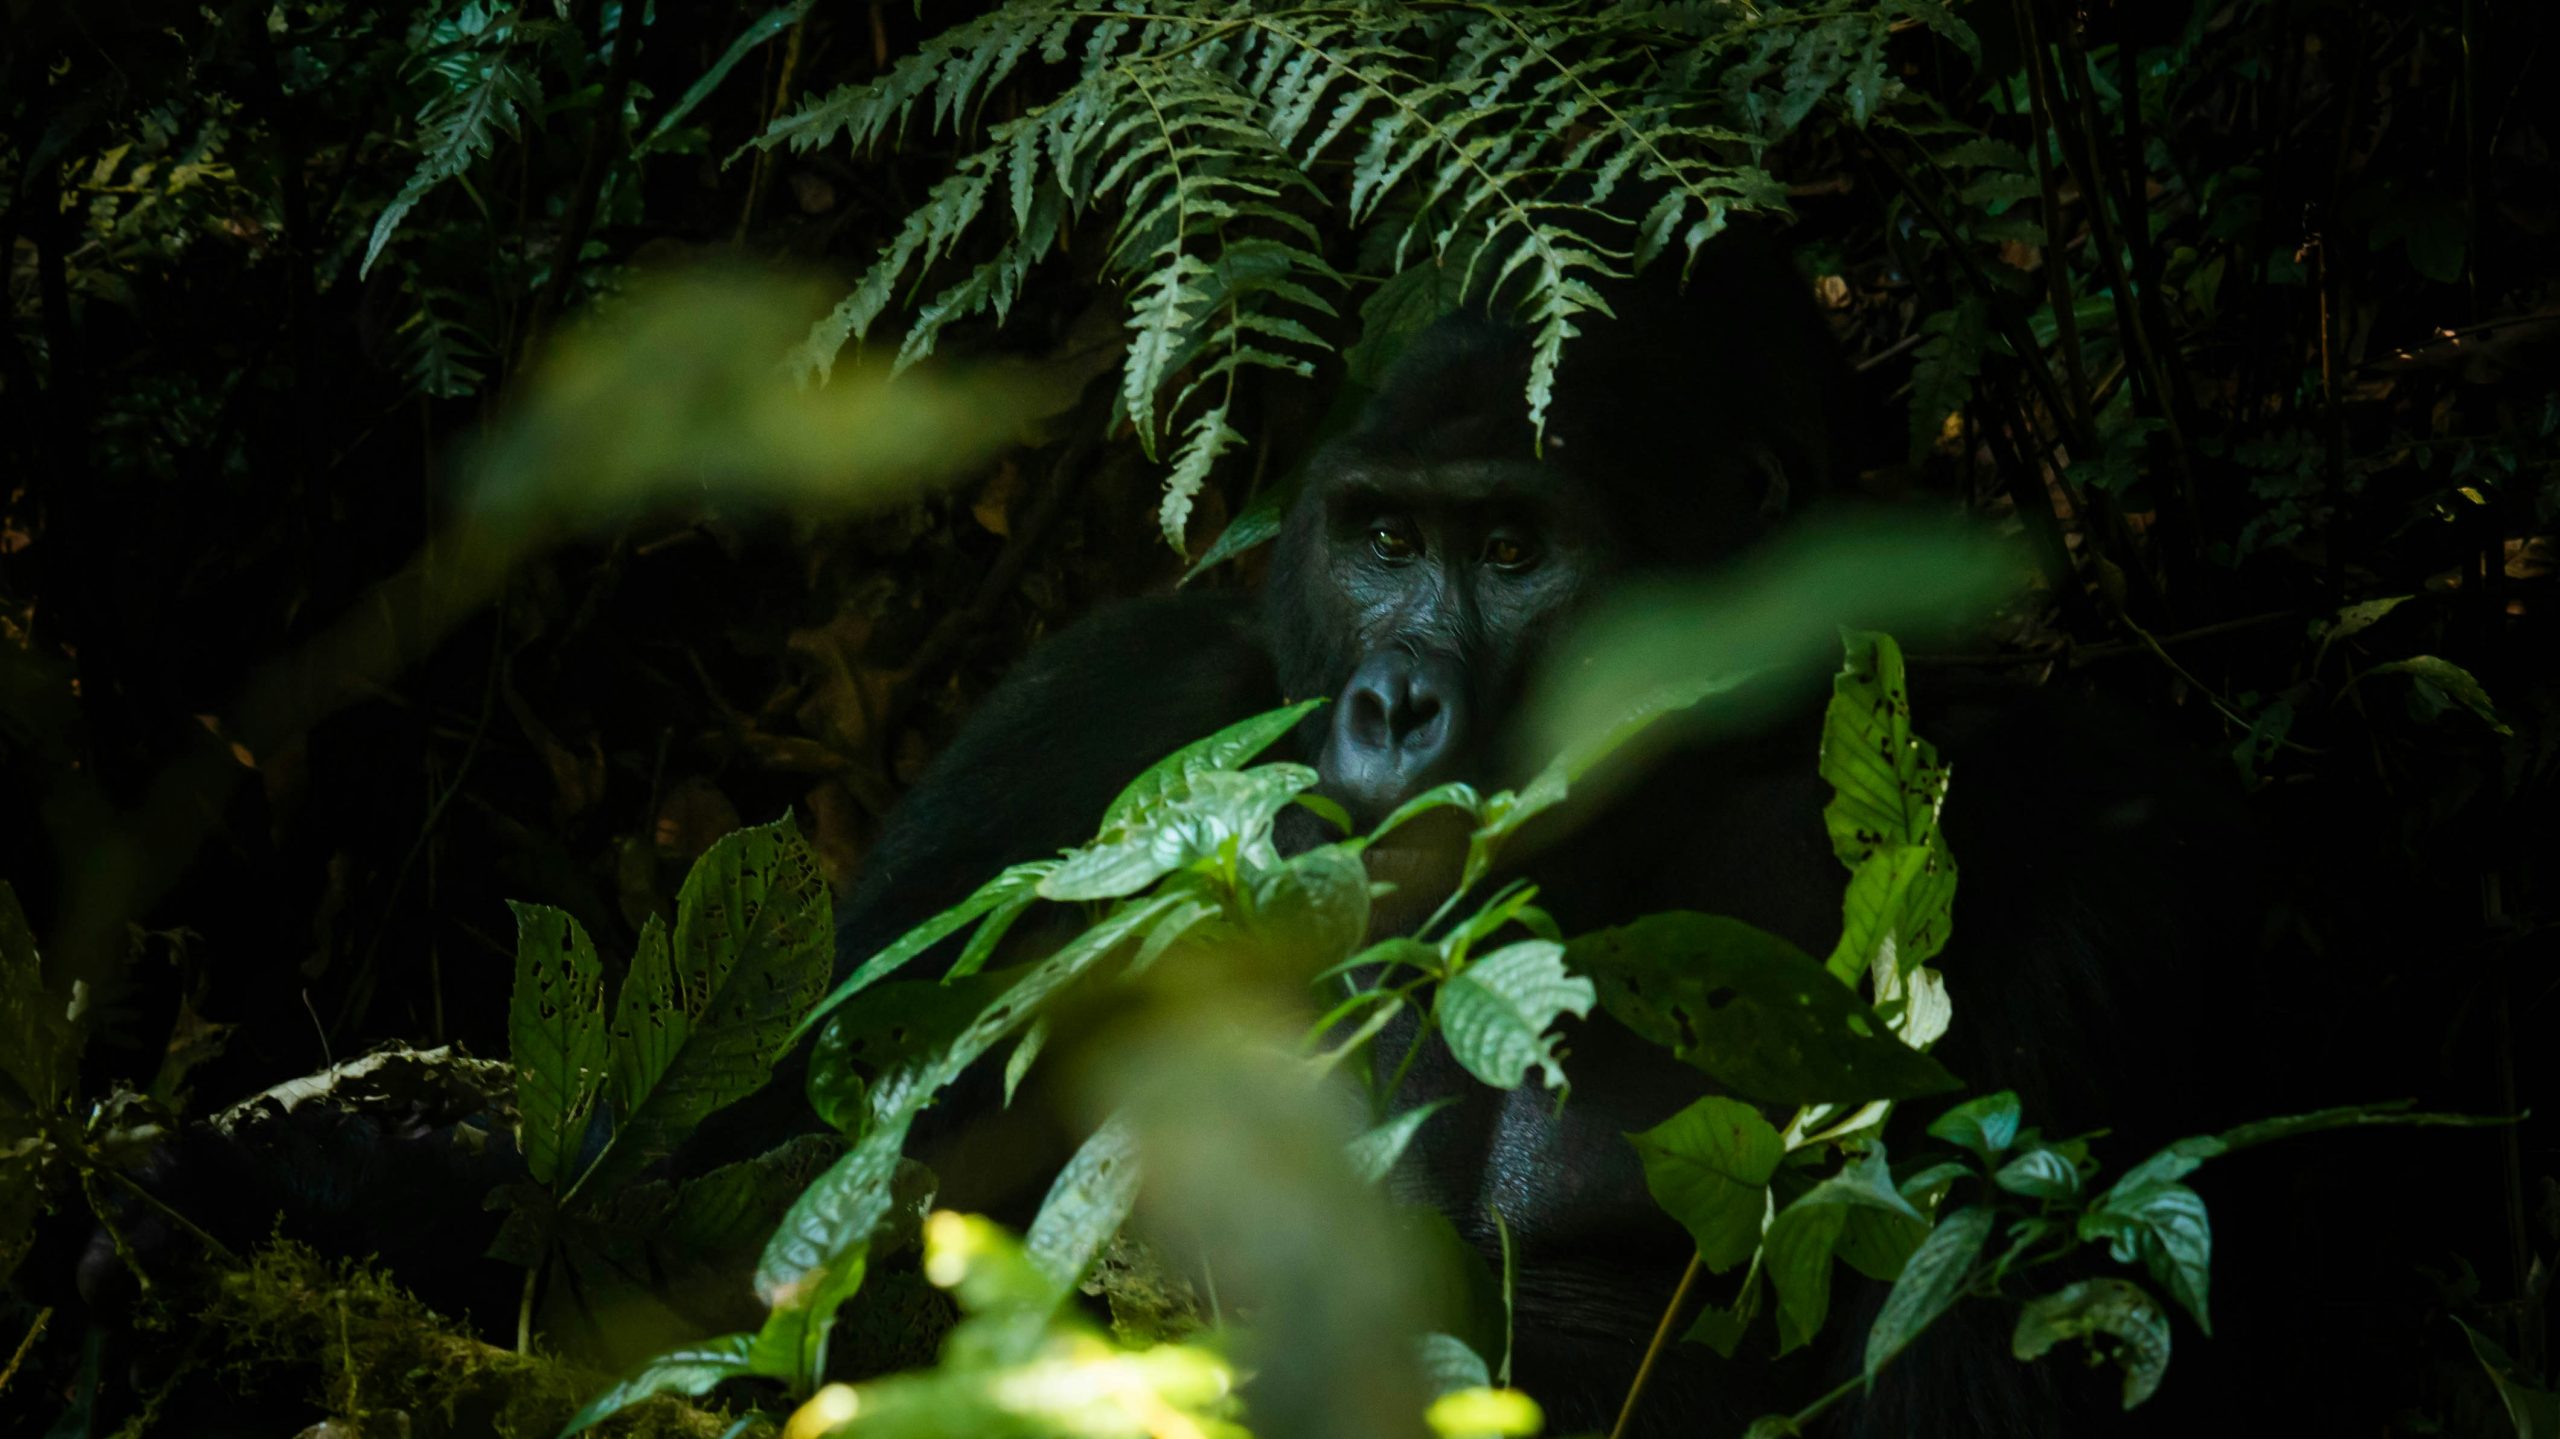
(1678, 435)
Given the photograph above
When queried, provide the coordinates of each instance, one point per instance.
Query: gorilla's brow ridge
(1459, 484)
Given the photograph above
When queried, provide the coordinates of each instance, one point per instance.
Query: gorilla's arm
(1032, 771)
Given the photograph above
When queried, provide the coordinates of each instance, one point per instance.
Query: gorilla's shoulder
(1081, 716)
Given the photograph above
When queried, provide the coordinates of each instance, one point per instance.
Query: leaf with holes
(1089, 1201)
(2166, 1227)
(2097, 1310)
(555, 1038)
(700, 1020)
(1752, 1011)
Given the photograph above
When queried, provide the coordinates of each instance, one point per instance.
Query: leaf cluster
(1539, 150)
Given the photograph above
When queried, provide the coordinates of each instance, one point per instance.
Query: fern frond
(1537, 150)
(485, 85)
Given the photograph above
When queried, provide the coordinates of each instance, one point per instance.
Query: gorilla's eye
(1508, 552)
(1392, 543)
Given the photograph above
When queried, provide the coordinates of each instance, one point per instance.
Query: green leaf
(1709, 1166)
(1005, 889)
(2165, 1226)
(1888, 786)
(1987, 1126)
(1897, 911)
(2449, 680)
(773, 22)
(1495, 1014)
(1170, 779)
(2117, 1310)
(699, 1022)
(1375, 1151)
(2534, 1411)
(1752, 1011)
(1449, 1363)
(2040, 1173)
(1222, 815)
(1802, 1239)
(1256, 524)
(731, 1209)
(1315, 908)
(1932, 1280)
(42, 1029)
(693, 1369)
(830, 1225)
(792, 1345)
(555, 1038)
(845, 1206)
(1089, 1201)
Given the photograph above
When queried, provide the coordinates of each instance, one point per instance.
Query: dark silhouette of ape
(1433, 560)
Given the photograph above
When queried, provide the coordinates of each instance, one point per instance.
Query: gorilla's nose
(1400, 718)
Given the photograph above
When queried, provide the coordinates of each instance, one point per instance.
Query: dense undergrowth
(328, 625)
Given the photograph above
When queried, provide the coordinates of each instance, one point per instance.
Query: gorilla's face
(1417, 596)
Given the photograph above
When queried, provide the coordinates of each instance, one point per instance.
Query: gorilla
(1431, 564)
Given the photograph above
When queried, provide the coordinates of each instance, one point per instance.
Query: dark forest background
(2260, 362)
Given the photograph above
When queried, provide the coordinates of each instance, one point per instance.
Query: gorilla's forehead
(1481, 483)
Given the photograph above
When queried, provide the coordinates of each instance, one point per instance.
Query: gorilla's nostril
(1365, 716)
(1418, 718)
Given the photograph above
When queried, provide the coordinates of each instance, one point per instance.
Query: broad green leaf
(2040, 1173)
(2449, 682)
(1497, 1011)
(700, 1021)
(2115, 1308)
(830, 1225)
(1449, 1363)
(1932, 1280)
(1803, 1237)
(1315, 908)
(555, 1038)
(844, 1207)
(693, 1369)
(1257, 523)
(1796, 1253)
(1888, 786)
(792, 1345)
(1897, 911)
(1169, 779)
(1708, 1166)
(1089, 1201)
(1005, 888)
(735, 1206)
(1752, 1011)
(2533, 1410)
(1375, 1151)
(1217, 813)
(1987, 1126)
(2165, 1226)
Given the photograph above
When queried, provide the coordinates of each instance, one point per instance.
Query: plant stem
(1661, 1341)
